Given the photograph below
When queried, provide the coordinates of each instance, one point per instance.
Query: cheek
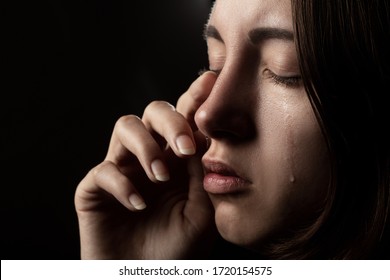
(309, 161)
(289, 168)
(295, 160)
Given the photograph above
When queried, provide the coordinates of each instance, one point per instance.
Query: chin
(239, 227)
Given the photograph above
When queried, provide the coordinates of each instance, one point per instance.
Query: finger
(107, 177)
(162, 118)
(197, 93)
(131, 138)
(198, 209)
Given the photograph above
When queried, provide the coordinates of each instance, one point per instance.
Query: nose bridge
(231, 92)
(228, 111)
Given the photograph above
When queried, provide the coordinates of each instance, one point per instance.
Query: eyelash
(292, 82)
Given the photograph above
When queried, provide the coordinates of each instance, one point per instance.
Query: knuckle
(158, 105)
(107, 176)
(98, 172)
(128, 120)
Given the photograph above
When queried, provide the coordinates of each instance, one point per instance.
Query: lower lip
(215, 183)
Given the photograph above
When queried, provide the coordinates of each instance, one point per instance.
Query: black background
(70, 70)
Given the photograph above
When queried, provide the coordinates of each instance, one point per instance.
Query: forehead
(243, 15)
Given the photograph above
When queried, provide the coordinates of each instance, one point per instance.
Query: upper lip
(218, 167)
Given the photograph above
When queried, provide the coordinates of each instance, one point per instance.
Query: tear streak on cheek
(290, 144)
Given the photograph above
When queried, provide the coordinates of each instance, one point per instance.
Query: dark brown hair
(343, 48)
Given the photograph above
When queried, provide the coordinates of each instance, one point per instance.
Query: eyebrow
(256, 35)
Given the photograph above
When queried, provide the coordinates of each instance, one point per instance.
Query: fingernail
(185, 145)
(159, 170)
(137, 202)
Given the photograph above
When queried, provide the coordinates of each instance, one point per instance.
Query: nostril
(228, 126)
(230, 136)
(220, 134)
(225, 117)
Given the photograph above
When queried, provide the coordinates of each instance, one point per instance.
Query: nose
(228, 112)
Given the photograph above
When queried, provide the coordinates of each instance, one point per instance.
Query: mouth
(222, 179)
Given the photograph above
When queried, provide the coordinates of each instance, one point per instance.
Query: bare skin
(265, 171)
(178, 213)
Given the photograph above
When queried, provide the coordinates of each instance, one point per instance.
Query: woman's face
(267, 167)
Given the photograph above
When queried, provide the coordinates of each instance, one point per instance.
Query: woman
(281, 148)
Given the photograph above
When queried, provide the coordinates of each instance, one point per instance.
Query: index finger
(190, 101)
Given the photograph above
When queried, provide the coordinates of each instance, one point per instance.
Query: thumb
(198, 210)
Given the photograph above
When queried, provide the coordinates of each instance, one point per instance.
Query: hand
(146, 199)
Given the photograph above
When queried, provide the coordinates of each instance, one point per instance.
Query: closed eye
(287, 81)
